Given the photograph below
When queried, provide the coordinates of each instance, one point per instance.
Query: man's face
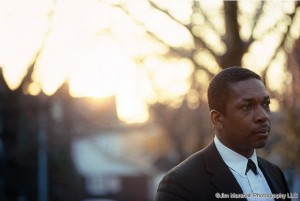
(246, 124)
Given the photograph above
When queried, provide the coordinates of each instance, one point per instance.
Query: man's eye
(246, 107)
(267, 104)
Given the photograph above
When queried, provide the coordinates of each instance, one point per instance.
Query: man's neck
(247, 153)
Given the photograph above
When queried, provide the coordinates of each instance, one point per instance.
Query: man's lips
(262, 130)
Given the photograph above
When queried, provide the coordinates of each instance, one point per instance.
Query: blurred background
(99, 98)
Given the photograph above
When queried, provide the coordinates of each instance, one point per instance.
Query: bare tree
(236, 47)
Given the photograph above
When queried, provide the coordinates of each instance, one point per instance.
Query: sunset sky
(96, 47)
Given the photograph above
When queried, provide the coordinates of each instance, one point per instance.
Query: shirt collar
(234, 160)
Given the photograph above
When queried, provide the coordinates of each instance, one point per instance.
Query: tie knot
(251, 165)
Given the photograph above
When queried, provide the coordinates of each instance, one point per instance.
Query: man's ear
(216, 119)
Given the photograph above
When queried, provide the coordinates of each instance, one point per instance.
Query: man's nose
(261, 115)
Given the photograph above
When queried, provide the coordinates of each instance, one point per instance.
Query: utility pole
(42, 157)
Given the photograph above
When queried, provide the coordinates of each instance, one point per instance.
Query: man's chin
(260, 144)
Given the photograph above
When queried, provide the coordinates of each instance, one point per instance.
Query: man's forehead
(248, 90)
(255, 98)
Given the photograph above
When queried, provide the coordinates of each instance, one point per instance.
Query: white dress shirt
(251, 184)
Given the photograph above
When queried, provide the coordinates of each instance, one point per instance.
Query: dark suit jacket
(204, 174)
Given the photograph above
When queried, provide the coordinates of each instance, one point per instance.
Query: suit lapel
(222, 177)
(270, 179)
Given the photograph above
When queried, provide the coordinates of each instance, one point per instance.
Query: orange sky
(95, 46)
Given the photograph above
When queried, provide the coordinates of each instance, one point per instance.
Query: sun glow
(76, 47)
(99, 72)
(23, 25)
(106, 70)
(97, 48)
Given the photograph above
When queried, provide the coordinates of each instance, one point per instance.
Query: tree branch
(155, 6)
(31, 67)
(198, 40)
(232, 37)
(255, 21)
(207, 20)
(281, 44)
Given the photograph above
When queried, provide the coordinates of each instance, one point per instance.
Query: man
(228, 168)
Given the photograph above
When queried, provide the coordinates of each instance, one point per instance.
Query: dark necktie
(251, 165)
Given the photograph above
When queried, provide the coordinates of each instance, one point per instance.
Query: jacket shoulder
(270, 166)
(274, 175)
(190, 164)
(180, 182)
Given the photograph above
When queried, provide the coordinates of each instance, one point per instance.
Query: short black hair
(219, 86)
